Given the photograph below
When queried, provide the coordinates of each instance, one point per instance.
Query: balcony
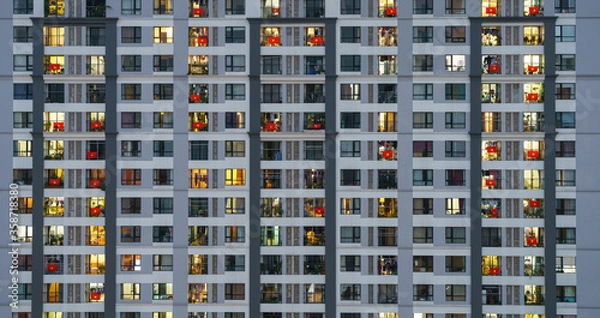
(197, 293)
(491, 36)
(270, 265)
(387, 265)
(491, 64)
(314, 207)
(314, 121)
(197, 122)
(387, 150)
(491, 208)
(533, 237)
(271, 11)
(388, 36)
(533, 208)
(534, 295)
(387, 208)
(270, 36)
(198, 9)
(270, 294)
(198, 93)
(54, 267)
(387, 65)
(491, 179)
(54, 182)
(314, 236)
(491, 265)
(491, 93)
(54, 206)
(315, 8)
(533, 122)
(314, 265)
(533, 93)
(314, 179)
(198, 37)
(492, 151)
(533, 266)
(533, 11)
(198, 65)
(314, 93)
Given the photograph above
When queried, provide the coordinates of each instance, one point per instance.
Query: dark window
(163, 148)
(455, 34)
(491, 237)
(456, 91)
(235, 148)
(131, 91)
(565, 62)
(422, 177)
(422, 235)
(163, 177)
(350, 34)
(22, 6)
(423, 7)
(456, 120)
(422, 148)
(564, 6)
(350, 63)
(386, 93)
(131, 205)
(271, 93)
(455, 177)
(565, 149)
(350, 7)
(131, 35)
(131, 148)
(235, 91)
(234, 292)
(163, 63)
(565, 206)
(565, 236)
(163, 234)
(55, 93)
(350, 148)
(22, 63)
(235, 63)
(456, 149)
(423, 292)
(565, 119)
(423, 63)
(456, 292)
(350, 91)
(422, 91)
(422, 120)
(235, 120)
(131, 7)
(386, 236)
(456, 235)
(350, 234)
(162, 262)
(386, 179)
(133, 63)
(422, 206)
(96, 36)
(131, 233)
(565, 91)
(163, 91)
(422, 34)
(163, 206)
(455, 6)
(315, 8)
(198, 150)
(22, 91)
(163, 120)
(313, 150)
(565, 33)
(350, 177)
(131, 120)
(235, 7)
(22, 34)
(350, 263)
(197, 207)
(235, 34)
(350, 120)
(271, 64)
(235, 263)
(456, 264)
(422, 263)
(565, 178)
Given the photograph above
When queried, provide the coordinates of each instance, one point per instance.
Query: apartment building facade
(438, 166)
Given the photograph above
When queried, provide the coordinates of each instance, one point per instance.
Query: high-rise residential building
(300, 159)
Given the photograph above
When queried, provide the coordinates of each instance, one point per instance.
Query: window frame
(422, 34)
(456, 34)
(456, 235)
(422, 7)
(566, 62)
(426, 91)
(353, 151)
(350, 177)
(232, 91)
(456, 120)
(232, 7)
(131, 34)
(425, 67)
(350, 234)
(231, 64)
(350, 7)
(422, 235)
(456, 91)
(133, 7)
(350, 63)
(422, 120)
(451, 7)
(425, 177)
(560, 33)
(232, 34)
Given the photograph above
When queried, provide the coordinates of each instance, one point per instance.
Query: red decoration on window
(203, 40)
(532, 69)
(494, 212)
(273, 40)
(490, 10)
(532, 241)
(94, 183)
(92, 155)
(494, 68)
(195, 98)
(317, 40)
(490, 182)
(271, 127)
(96, 125)
(54, 67)
(52, 268)
(316, 126)
(390, 12)
(198, 11)
(58, 125)
(95, 211)
(198, 125)
(320, 211)
(275, 10)
(533, 154)
(532, 96)
(535, 203)
(492, 149)
(95, 296)
(494, 271)
(387, 154)
(534, 10)
(54, 182)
